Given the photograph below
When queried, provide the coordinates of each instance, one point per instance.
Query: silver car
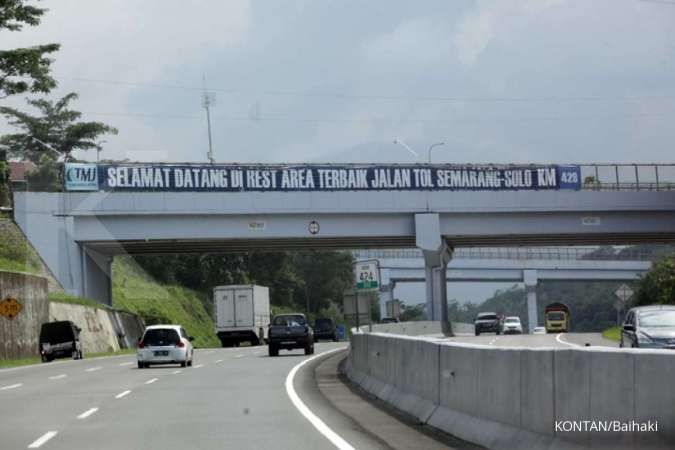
(649, 327)
(165, 344)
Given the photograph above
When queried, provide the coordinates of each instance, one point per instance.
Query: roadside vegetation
(8, 363)
(16, 254)
(613, 333)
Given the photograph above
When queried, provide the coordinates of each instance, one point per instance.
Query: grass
(16, 255)
(62, 297)
(137, 292)
(613, 333)
(7, 363)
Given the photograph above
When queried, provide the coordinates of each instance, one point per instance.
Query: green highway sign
(367, 274)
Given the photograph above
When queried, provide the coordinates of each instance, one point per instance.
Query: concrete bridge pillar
(436, 254)
(97, 279)
(386, 295)
(530, 278)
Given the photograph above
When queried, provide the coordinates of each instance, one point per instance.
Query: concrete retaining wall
(103, 330)
(19, 336)
(511, 398)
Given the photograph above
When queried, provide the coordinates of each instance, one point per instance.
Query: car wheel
(140, 365)
(477, 333)
(308, 350)
(621, 343)
(272, 350)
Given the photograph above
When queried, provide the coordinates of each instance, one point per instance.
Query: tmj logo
(81, 177)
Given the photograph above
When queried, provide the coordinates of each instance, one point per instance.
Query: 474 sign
(367, 275)
(10, 307)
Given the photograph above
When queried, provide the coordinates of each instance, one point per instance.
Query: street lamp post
(432, 146)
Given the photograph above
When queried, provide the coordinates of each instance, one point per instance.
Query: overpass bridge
(78, 233)
(526, 265)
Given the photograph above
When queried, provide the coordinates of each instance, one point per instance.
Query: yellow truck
(557, 318)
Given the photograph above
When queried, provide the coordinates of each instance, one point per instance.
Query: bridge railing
(628, 177)
(516, 253)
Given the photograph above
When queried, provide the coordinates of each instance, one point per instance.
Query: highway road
(560, 340)
(231, 398)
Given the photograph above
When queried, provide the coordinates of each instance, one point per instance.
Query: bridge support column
(530, 278)
(386, 295)
(97, 276)
(436, 254)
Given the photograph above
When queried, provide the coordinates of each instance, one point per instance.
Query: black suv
(325, 329)
(290, 331)
(60, 340)
(487, 322)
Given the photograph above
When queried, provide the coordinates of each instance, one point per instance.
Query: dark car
(649, 327)
(60, 340)
(389, 320)
(487, 322)
(288, 332)
(325, 329)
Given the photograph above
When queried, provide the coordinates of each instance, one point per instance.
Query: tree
(657, 285)
(55, 129)
(24, 69)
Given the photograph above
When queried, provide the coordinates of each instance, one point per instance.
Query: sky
(558, 81)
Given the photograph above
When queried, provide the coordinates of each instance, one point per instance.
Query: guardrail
(528, 253)
(627, 177)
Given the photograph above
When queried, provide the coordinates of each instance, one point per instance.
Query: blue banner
(260, 178)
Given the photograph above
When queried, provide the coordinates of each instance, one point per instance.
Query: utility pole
(208, 100)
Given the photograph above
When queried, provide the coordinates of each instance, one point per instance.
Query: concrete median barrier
(534, 398)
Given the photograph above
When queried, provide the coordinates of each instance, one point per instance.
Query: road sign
(624, 293)
(367, 274)
(313, 227)
(10, 308)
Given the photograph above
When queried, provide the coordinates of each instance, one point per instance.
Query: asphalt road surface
(230, 398)
(561, 340)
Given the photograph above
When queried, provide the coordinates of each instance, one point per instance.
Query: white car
(539, 330)
(165, 344)
(512, 325)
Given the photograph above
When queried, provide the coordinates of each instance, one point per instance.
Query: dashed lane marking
(151, 380)
(93, 369)
(123, 394)
(58, 377)
(42, 439)
(87, 413)
(11, 386)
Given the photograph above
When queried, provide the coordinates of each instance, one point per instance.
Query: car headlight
(643, 338)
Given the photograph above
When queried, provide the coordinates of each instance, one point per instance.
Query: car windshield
(289, 321)
(487, 317)
(555, 315)
(56, 332)
(512, 320)
(657, 319)
(323, 323)
(160, 337)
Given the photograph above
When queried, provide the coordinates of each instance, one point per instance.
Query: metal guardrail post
(656, 172)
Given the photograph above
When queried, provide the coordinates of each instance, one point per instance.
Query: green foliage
(613, 333)
(138, 292)
(5, 189)
(16, 254)
(62, 297)
(47, 177)
(56, 127)
(24, 69)
(412, 313)
(658, 285)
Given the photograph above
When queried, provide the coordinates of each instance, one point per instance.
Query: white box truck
(242, 314)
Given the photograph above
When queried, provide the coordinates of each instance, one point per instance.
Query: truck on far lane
(557, 318)
(242, 314)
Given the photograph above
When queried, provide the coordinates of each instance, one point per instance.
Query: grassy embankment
(613, 333)
(16, 255)
(135, 291)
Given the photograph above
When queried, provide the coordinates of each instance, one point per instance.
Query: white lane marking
(42, 439)
(127, 363)
(123, 394)
(11, 386)
(151, 380)
(87, 413)
(58, 377)
(219, 360)
(493, 340)
(331, 435)
(175, 372)
(92, 369)
(560, 339)
(238, 356)
(198, 366)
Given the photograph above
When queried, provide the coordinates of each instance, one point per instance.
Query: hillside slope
(137, 292)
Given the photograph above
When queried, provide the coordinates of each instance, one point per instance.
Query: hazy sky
(337, 81)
